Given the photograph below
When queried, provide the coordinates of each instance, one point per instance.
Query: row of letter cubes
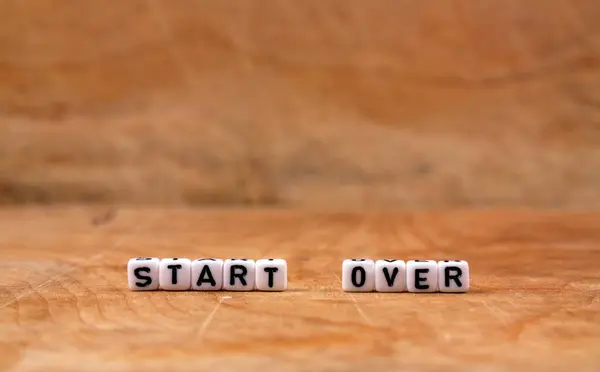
(358, 275)
(207, 274)
(363, 275)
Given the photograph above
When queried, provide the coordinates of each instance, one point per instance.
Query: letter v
(390, 279)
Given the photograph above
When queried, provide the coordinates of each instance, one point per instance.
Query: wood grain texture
(339, 103)
(64, 305)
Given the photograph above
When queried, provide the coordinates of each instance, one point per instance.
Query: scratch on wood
(360, 311)
(36, 288)
(32, 289)
(209, 318)
(494, 311)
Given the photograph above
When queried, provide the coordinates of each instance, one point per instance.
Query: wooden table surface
(64, 305)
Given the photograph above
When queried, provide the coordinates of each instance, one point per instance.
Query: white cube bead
(175, 274)
(453, 276)
(239, 274)
(207, 274)
(142, 274)
(421, 276)
(390, 276)
(271, 274)
(358, 275)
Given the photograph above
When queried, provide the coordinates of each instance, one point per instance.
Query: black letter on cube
(390, 276)
(174, 269)
(271, 271)
(143, 274)
(363, 276)
(175, 274)
(358, 275)
(452, 273)
(147, 280)
(271, 275)
(206, 277)
(241, 275)
(422, 276)
(453, 276)
(419, 279)
(389, 279)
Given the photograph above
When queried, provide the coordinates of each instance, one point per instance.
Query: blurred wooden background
(302, 103)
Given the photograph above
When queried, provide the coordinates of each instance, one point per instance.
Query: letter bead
(239, 274)
(421, 276)
(390, 276)
(175, 274)
(142, 274)
(358, 275)
(271, 274)
(453, 276)
(207, 274)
